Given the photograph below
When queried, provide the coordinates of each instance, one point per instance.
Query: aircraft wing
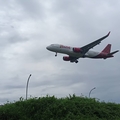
(86, 48)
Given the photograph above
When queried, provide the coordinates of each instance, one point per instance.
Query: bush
(52, 108)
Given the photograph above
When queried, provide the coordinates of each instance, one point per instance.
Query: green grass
(52, 108)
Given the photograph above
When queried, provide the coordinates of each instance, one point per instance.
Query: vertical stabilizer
(107, 49)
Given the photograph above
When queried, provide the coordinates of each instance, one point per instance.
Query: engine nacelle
(77, 50)
(66, 58)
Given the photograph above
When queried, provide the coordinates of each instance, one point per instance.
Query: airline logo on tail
(107, 49)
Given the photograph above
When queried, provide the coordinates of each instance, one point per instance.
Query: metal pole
(27, 86)
(91, 91)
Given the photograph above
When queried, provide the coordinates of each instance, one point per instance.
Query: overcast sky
(28, 26)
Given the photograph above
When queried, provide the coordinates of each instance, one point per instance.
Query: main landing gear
(56, 54)
(76, 61)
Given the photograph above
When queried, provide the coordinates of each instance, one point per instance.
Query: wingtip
(109, 32)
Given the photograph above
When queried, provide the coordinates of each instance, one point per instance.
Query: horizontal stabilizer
(113, 52)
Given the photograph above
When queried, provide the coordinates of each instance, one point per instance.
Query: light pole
(27, 86)
(91, 91)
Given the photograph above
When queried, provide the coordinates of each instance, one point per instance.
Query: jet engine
(77, 50)
(66, 58)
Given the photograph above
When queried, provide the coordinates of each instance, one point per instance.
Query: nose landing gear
(56, 54)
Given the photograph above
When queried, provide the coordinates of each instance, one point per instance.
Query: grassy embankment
(52, 108)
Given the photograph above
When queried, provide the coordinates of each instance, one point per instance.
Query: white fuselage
(69, 51)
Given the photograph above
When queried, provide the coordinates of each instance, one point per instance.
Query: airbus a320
(74, 53)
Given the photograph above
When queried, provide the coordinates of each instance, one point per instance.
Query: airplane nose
(47, 47)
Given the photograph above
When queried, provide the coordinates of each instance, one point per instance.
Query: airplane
(74, 53)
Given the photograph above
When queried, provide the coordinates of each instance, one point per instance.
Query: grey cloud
(82, 13)
(11, 38)
(33, 9)
(14, 86)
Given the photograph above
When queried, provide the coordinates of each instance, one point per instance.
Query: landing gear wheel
(76, 61)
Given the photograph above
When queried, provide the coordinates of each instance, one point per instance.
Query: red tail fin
(107, 49)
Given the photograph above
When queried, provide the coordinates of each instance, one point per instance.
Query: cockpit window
(52, 44)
